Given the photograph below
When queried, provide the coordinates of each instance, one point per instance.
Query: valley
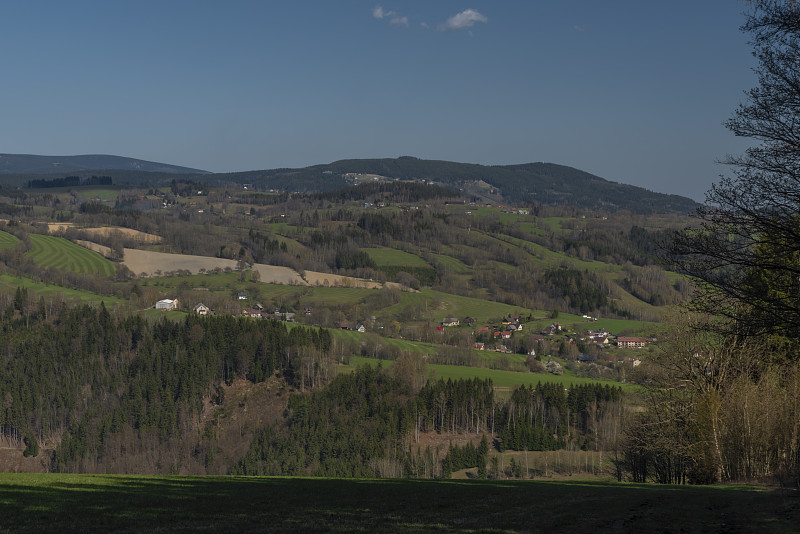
(409, 280)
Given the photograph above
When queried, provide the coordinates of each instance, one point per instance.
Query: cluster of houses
(603, 338)
(512, 324)
(259, 312)
(508, 326)
(256, 312)
(344, 325)
(495, 334)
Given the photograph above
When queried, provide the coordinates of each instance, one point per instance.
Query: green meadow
(457, 266)
(388, 256)
(43, 290)
(500, 378)
(127, 503)
(435, 305)
(512, 379)
(50, 251)
(86, 192)
(7, 240)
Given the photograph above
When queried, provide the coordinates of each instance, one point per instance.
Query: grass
(402, 344)
(90, 192)
(500, 379)
(553, 259)
(481, 212)
(44, 290)
(511, 379)
(7, 240)
(281, 228)
(556, 224)
(436, 306)
(213, 282)
(174, 315)
(576, 323)
(129, 503)
(457, 266)
(329, 296)
(384, 257)
(50, 251)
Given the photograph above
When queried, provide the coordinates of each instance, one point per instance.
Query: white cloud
(462, 21)
(578, 28)
(379, 13)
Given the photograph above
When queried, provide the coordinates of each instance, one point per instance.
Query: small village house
(201, 309)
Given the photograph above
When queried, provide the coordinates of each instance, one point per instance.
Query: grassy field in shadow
(121, 503)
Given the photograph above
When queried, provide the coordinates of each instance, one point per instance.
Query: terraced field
(50, 251)
(7, 240)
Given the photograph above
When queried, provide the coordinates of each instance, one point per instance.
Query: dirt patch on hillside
(12, 461)
(335, 280)
(147, 263)
(54, 228)
(246, 409)
(142, 237)
(444, 439)
(278, 275)
(136, 235)
(101, 249)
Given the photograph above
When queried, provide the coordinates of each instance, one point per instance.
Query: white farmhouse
(167, 304)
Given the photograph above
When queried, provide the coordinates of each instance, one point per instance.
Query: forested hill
(34, 164)
(541, 183)
(544, 183)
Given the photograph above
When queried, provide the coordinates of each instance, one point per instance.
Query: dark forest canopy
(70, 181)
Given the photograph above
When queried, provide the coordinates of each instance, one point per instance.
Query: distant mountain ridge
(543, 183)
(35, 164)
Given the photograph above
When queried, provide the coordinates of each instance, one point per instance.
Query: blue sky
(633, 91)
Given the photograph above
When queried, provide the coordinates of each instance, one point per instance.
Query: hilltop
(534, 183)
(34, 164)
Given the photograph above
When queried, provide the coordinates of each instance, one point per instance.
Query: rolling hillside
(540, 183)
(34, 164)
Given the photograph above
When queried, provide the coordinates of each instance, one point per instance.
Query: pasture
(108, 193)
(50, 251)
(7, 240)
(401, 344)
(577, 323)
(457, 266)
(131, 503)
(512, 379)
(500, 378)
(434, 305)
(392, 257)
(11, 283)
